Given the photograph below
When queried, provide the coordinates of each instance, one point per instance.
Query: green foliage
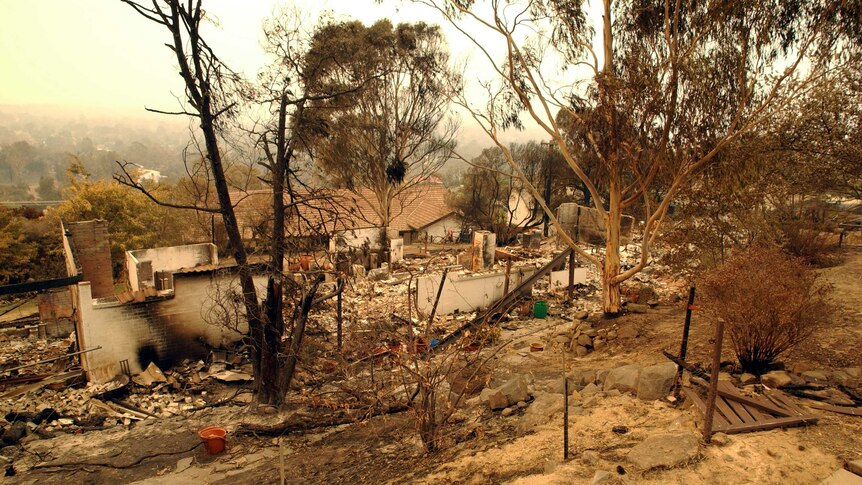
(770, 302)
(134, 221)
(30, 246)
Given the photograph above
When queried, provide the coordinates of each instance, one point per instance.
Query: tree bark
(611, 300)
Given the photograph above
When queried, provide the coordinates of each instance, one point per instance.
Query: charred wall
(164, 330)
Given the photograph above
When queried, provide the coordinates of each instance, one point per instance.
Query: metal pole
(565, 410)
(684, 346)
(571, 274)
(508, 270)
(338, 318)
(713, 381)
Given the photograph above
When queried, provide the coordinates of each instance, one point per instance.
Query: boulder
(544, 407)
(815, 376)
(581, 351)
(582, 377)
(599, 344)
(584, 340)
(590, 390)
(601, 476)
(624, 379)
(665, 450)
(745, 378)
(655, 381)
(497, 400)
(510, 393)
(581, 315)
(14, 433)
(776, 378)
(627, 332)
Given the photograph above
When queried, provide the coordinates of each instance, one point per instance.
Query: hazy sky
(101, 53)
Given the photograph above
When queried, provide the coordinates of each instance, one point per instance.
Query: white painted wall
(174, 326)
(559, 280)
(440, 229)
(169, 259)
(466, 292)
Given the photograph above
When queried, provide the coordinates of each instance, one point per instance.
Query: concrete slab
(842, 477)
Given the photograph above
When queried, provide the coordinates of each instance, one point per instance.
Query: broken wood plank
(741, 411)
(719, 421)
(784, 400)
(728, 413)
(727, 390)
(17, 391)
(848, 410)
(770, 424)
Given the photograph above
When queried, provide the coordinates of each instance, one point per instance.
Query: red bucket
(214, 439)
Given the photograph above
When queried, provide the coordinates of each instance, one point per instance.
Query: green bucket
(540, 309)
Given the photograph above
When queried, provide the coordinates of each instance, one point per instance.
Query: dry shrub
(810, 242)
(770, 302)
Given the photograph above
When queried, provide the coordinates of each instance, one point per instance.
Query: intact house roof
(331, 210)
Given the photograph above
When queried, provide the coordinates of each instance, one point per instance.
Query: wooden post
(508, 270)
(684, 345)
(713, 381)
(565, 410)
(571, 274)
(338, 317)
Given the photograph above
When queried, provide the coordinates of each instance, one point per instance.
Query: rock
(244, 398)
(591, 332)
(515, 389)
(378, 274)
(624, 379)
(497, 400)
(855, 467)
(14, 433)
(653, 303)
(655, 381)
(584, 340)
(599, 344)
(601, 476)
(776, 378)
(612, 334)
(469, 380)
(725, 376)
(815, 376)
(268, 409)
(636, 308)
(582, 377)
(842, 477)
(581, 351)
(627, 332)
(665, 450)
(720, 439)
(561, 339)
(522, 404)
(581, 315)
(601, 375)
(507, 412)
(590, 390)
(646, 295)
(590, 457)
(544, 407)
(745, 378)
(184, 463)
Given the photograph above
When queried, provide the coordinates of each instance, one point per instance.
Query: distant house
(418, 212)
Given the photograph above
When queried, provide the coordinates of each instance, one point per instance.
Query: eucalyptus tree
(656, 89)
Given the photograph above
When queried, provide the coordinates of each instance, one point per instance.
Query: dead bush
(769, 300)
(809, 241)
